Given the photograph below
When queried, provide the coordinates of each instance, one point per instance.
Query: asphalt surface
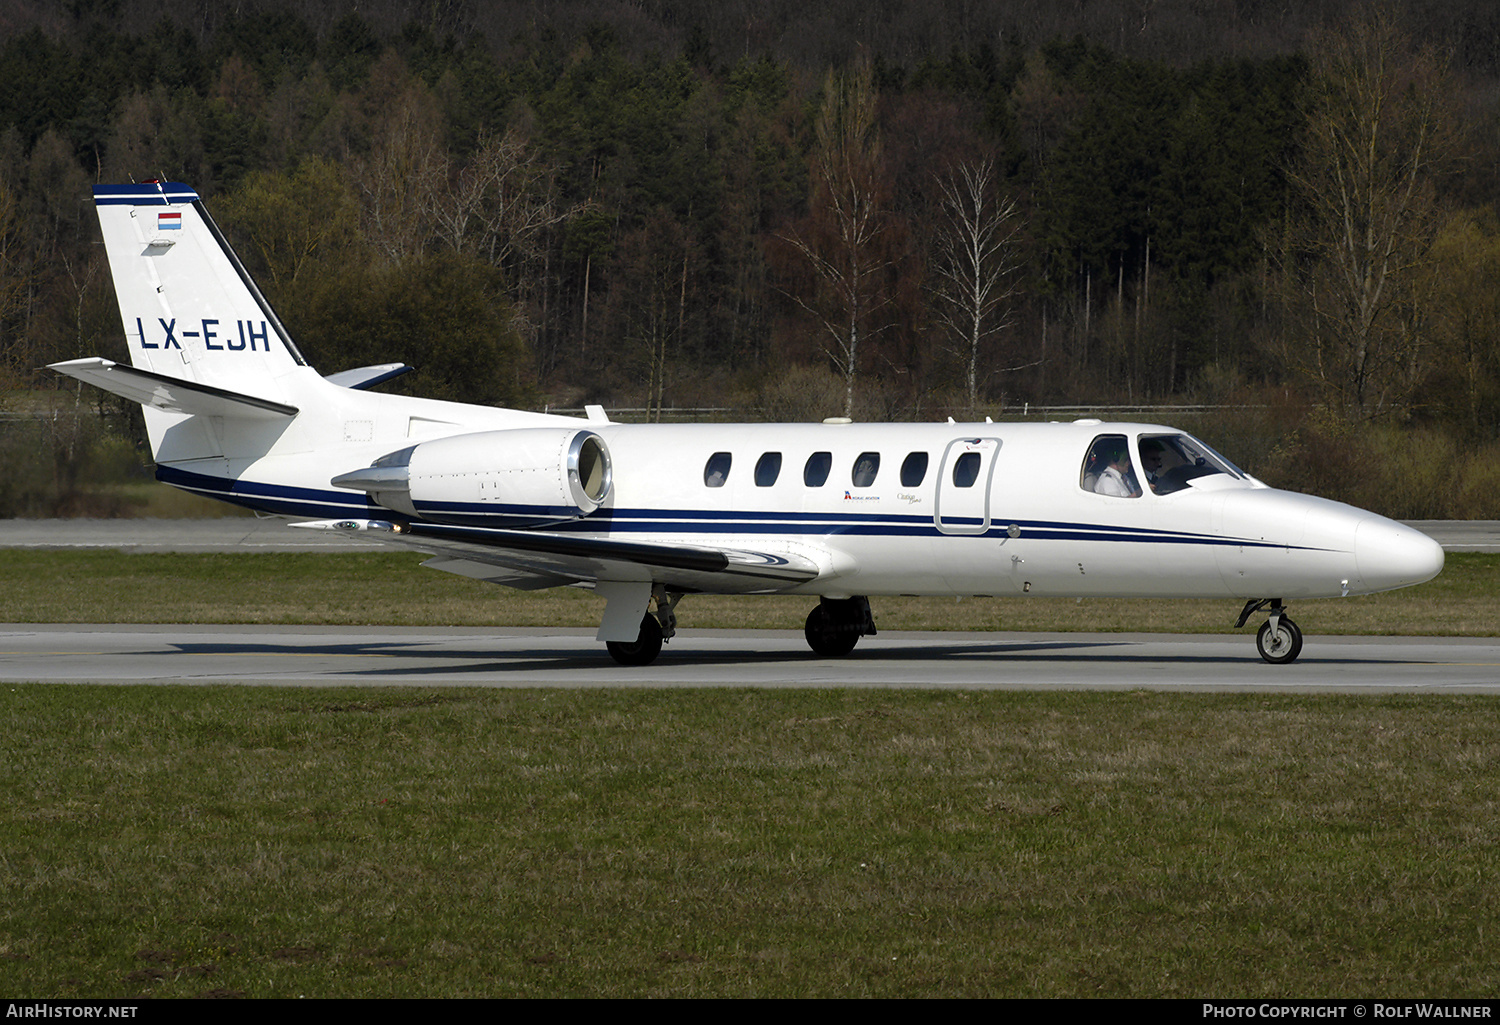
(387, 656)
(225, 534)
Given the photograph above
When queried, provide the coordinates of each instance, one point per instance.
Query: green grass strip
(159, 841)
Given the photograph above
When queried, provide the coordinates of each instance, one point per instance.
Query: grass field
(392, 588)
(191, 841)
(285, 842)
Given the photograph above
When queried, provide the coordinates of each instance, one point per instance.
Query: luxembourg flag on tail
(170, 221)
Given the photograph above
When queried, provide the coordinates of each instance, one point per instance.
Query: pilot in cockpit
(1116, 478)
(1151, 461)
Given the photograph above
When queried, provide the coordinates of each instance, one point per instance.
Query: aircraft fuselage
(1024, 525)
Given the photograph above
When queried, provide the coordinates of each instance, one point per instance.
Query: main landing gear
(643, 650)
(835, 626)
(657, 626)
(1279, 639)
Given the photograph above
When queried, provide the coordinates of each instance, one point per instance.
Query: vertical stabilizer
(189, 308)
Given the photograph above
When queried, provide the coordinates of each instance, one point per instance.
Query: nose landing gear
(1279, 640)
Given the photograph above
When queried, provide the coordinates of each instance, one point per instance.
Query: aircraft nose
(1391, 554)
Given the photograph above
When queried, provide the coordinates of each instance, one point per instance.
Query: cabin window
(815, 473)
(767, 469)
(966, 470)
(1107, 469)
(914, 469)
(865, 469)
(716, 472)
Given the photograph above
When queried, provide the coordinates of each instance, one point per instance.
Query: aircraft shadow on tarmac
(520, 656)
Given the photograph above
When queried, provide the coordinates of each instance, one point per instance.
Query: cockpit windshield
(1170, 461)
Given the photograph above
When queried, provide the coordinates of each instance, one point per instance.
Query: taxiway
(391, 656)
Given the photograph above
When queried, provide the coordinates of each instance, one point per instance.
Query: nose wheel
(1279, 640)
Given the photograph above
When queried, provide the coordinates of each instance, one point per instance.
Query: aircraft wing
(530, 559)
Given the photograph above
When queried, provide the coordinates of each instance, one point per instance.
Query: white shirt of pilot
(1112, 482)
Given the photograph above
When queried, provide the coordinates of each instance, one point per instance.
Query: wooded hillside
(876, 209)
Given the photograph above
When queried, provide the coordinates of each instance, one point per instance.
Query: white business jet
(645, 514)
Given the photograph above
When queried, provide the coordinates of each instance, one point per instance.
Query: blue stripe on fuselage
(690, 525)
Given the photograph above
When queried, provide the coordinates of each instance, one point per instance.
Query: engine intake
(516, 478)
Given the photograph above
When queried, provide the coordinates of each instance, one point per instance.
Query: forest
(1276, 228)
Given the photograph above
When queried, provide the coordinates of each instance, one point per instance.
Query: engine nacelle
(517, 478)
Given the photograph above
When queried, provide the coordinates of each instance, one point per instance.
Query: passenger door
(963, 486)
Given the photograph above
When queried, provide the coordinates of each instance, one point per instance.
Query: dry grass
(190, 841)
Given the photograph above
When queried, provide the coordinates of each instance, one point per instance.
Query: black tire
(829, 636)
(643, 650)
(1279, 647)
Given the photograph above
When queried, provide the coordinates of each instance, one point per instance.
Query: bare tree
(398, 179)
(1465, 280)
(497, 204)
(1045, 109)
(499, 207)
(844, 238)
(655, 274)
(15, 283)
(976, 263)
(1377, 135)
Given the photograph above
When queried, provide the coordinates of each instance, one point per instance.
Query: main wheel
(828, 635)
(1281, 645)
(643, 650)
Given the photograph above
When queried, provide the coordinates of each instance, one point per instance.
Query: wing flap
(570, 558)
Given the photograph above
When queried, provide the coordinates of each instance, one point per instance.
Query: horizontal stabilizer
(361, 378)
(172, 393)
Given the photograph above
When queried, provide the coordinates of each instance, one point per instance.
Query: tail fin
(189, 308)
(213, 368)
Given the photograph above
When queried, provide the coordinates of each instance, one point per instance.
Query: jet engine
(515, 478)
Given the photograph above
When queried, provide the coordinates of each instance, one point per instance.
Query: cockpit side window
(1107, 469)
(1170, 461)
